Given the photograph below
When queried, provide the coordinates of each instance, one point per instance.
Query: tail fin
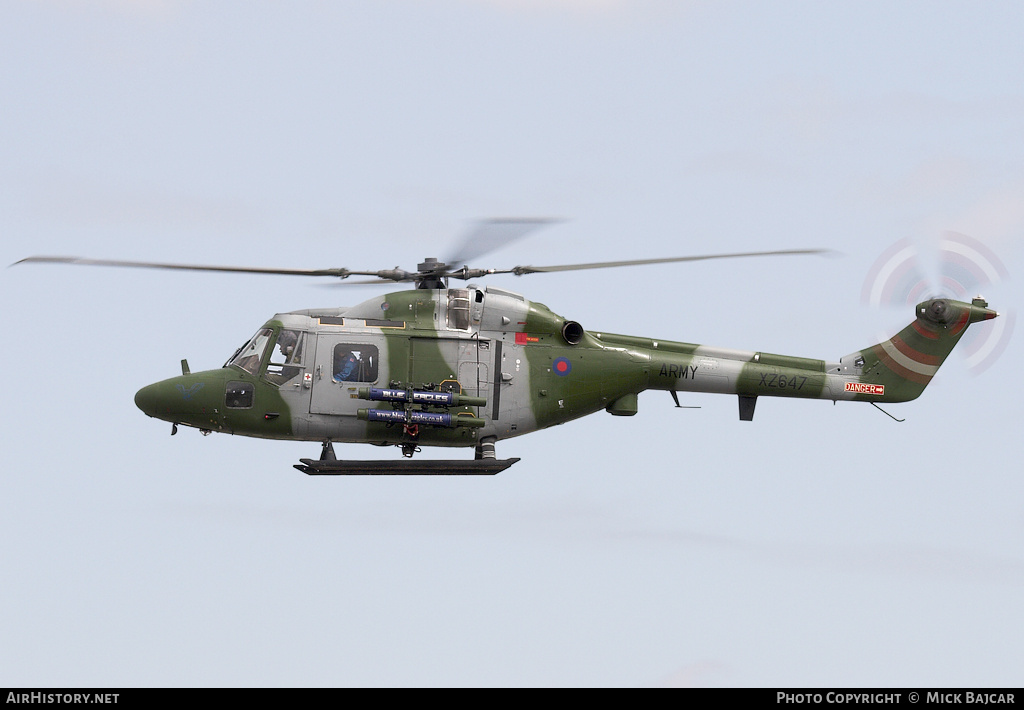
(901, 367)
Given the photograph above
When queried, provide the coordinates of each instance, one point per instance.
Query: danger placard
(862, 388)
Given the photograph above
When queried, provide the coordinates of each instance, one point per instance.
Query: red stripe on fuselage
(898, 369)
(930, 334)
(961, 323)
(914, 354)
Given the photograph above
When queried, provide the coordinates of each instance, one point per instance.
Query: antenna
(875, 405)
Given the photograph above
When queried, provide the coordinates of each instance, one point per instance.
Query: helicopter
(444, 365)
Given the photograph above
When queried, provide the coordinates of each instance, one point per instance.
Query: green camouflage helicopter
(465, 367)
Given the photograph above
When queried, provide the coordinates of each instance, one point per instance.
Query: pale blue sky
(819, 545)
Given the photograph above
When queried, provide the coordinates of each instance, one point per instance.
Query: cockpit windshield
(250, 355)
(286, 358)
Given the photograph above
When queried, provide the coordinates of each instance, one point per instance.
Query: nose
(147, 399)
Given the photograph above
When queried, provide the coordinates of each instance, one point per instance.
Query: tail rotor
(955, 266)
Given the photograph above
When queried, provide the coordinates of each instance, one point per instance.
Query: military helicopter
(447, 366)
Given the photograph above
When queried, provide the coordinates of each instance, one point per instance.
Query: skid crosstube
(458, 467)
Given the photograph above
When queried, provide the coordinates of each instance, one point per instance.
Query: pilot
(346, 366)
(286, 342)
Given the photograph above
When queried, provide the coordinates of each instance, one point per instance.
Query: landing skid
(407, 467)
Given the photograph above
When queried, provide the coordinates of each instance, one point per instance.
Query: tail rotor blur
(956, 266)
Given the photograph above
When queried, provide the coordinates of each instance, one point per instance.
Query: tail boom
(896, 370)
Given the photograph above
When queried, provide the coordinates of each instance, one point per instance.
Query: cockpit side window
(251, 354)
(355, 362)
(287, 357)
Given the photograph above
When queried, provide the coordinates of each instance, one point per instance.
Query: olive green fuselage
(306, 374)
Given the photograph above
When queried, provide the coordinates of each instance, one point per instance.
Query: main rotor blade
(379, 281)
(490, 234)
(520, 270)
(339, 273)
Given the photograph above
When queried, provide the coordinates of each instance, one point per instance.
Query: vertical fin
(904, 364)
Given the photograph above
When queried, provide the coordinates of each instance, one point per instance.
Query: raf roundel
(561, 366)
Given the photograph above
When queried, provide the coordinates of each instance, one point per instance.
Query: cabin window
(250, 355)
(239, 395)
(355, 362)
(286, 357)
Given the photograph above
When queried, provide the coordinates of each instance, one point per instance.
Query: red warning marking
(862, 388)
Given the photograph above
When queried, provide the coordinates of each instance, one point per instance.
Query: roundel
(561, 366)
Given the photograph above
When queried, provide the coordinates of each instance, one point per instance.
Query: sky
(819, 545)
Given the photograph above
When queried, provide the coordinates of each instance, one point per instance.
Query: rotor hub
(431, 265)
